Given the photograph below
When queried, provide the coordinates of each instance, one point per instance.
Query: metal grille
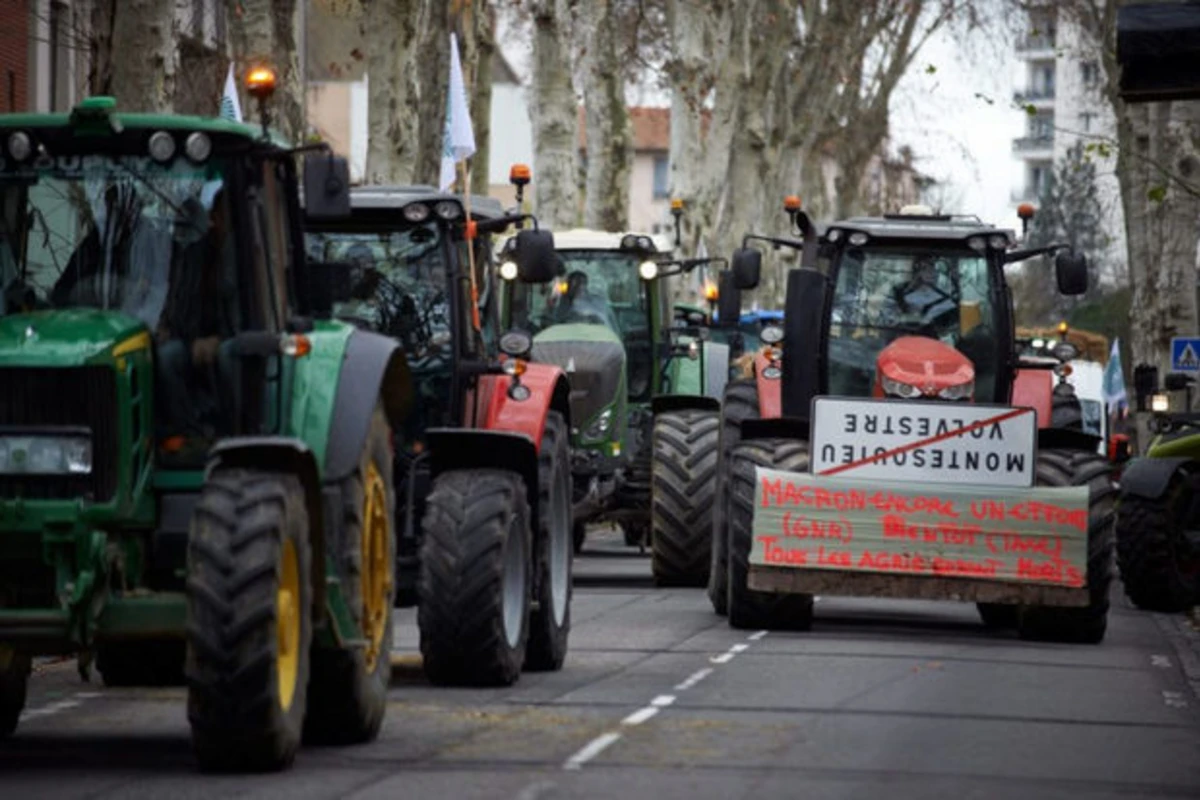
(76, 396)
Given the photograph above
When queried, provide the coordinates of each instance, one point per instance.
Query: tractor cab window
(883, 293)
(397, 282)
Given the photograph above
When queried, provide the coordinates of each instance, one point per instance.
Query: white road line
(47, 710)
(1174, 699)
(88, 695)
(724, 658)
(739, 648)
(640, 716)
(754, 637)
(592, 749)
(663, 700)
(693, 679)
(1160, 661)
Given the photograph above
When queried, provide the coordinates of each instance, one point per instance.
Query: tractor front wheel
(1078, 624)
(347, 695)
(749, 608)
(14, 681)
(740, 402)
(1160, 567)
(249, 609)
(550, 625)
(683, 482)
(476, 581)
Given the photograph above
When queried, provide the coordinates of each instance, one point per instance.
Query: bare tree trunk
(143, 37)
(433, 71)
(390, 33)
(100, 73)
(266, 33)
(609, 138)
(476, 26)
(554, 112)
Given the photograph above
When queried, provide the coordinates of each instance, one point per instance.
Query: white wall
(512, 132)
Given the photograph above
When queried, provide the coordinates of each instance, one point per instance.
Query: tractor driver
(581, 304)
(194, 336)
(921, 301)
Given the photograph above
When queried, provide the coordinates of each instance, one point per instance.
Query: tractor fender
(466, 448)
(292, 456)
(373, 366)
(770, 390)
(548, 390)
(679, 402)
(1150, 477)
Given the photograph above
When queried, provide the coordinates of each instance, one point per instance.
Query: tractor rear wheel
(249, 620)
(683, 482)
(550, 624)
(739, 403)
(152, 663)
(14, 681)
(1084, 624)
(476, 578)
(347, 694)
(1159, 567)
(749, 608)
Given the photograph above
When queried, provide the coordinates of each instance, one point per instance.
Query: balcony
(1034, 146)
(1039, 97)
(1036, 46)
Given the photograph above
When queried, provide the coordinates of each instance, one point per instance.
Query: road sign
(1185, 354)
(926, 442)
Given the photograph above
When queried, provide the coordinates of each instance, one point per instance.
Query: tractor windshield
(883, 293)
(598, 287)
(108, 233)
(397, 285)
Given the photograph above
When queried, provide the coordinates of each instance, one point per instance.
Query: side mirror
(1145, 383)
(326, 186)
(329, 283)
(729, 299)
(1071, 270)
(1177, 381)
(747, 266)
(534, 255)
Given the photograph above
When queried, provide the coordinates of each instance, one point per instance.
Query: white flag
(231, 107)
(458, 139)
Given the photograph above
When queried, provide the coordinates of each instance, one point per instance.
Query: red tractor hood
(925, 363)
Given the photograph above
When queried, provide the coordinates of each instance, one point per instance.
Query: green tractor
(1158, 507)
(488, 567)
(644, 386)
(193, 465)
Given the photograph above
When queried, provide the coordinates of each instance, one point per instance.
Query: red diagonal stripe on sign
(941, 437)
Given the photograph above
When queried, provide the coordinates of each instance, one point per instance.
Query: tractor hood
(63, 338)
(594, 360)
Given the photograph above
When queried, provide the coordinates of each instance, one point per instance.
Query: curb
(1183, 631)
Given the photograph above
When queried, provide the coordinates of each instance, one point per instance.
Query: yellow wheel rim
(377, 564)
(287, 625)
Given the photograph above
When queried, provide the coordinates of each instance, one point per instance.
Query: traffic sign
(1185, 354)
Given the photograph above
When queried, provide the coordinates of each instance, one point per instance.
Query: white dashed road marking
(1160, 661)
(754, 637)
(592, 749)
(693, 679)
(640, 716)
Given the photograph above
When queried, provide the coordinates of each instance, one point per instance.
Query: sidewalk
(1183, 631)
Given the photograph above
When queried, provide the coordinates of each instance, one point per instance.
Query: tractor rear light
(894, 388)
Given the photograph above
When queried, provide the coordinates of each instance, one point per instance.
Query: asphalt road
(660, 698)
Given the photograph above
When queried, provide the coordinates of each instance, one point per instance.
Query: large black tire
(748, 608)
(739, 403)
(476, 578)
(1153, 553)
(998, 615)
(347, 694)
(1081, 624)
(683, 485)
(1066, 412)
(249, 629)
(14, 683)
(550, 622)
(152, 663)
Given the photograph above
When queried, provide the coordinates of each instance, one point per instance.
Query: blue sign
(1185, 354)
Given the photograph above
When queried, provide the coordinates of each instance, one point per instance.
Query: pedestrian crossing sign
(1185, 354)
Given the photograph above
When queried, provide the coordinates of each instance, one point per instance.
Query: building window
(1041, 126)
(1089, 73)
(1039, 178)
(662, 177)
(1085, 121)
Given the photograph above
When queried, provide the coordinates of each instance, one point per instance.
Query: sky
(956, 134)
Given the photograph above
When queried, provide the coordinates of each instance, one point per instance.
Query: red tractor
(905, 320)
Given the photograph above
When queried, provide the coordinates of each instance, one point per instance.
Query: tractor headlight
(599, 427)
(962, 391)
(648, 270)
(416, 212)
(1160, 403)
(161, 146)
(448, 209)
(19, 145)
(771, 334)
(998, 241)
(508, 270)
(893, 388)
(1065, 351)
(857, 239)
(45, 455)
(197, 147)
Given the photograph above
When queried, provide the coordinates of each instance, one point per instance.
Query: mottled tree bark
(390, 33)
(476, 27)
(266, 33)
(553, 111)
(433, 72)
(143, 57)
(609, 138)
